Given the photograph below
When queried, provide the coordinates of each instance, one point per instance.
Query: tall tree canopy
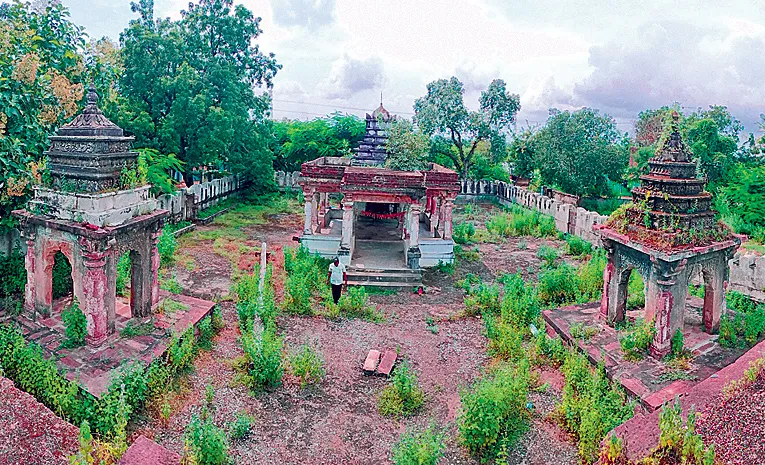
(442, 113)
(296, 142)
(578, 152)
(41, 88)
(407, 148)
(189, 86)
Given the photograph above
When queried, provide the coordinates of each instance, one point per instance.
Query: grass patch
(133, 329)
(403, 396)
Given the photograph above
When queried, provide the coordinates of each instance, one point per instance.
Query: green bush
(592, 406)
(464, 233)
(590, 277)
(635, 291)
(307, 365)
(494, 413)
(484, 298)
(242, 425)
(264, 359)
(14, 274)
(680, 443)
(548, 255)
(520, 305)
(636, 339)
(206, 333)
(558, 286)
(677, 344)
(306, 280)
(61, 275)
(748, 324)
(207, 442)
(75, 325)
(166, 246)
(403, 396)
(518, 221)
(424, 447)
(354, 303)
(124, 268)
(576, 246)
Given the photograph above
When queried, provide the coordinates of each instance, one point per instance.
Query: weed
(636, 339)
(133, 329)
(207, 442)
(577, 247)
(170, 305)
(582, 332)
(431, 325)
(403, 396)
(548, 255)
(424, 447)
(264, 367)
(464, 233)
(242, 425)
(171, 284)
(75, 325)
(307, 365)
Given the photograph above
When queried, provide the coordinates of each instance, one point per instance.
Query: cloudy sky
(618, 56)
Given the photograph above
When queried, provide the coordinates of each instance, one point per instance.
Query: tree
(442, 113)
(407, 149)
(579, 152)
(189, 86)
(296, 142)
(522, 152)
(40, 89)
(713, 150)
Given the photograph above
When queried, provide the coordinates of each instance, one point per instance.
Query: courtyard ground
(337, 421)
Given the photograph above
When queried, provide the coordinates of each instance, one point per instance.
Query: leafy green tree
(296, 142)
(189, 87)
(579, 152)
(713, 149)
(522, 152)
(40, 89)
(442, 113)
(407, 149)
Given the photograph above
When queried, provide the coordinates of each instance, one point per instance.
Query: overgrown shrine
(669, 234)
(386, 219)
(92, 218)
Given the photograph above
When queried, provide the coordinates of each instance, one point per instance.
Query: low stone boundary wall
(287, 181)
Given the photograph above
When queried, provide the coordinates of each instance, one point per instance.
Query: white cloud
(310, 14)
(349, 76)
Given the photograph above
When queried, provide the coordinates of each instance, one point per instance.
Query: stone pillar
(346, 241)
(314, 211)
(155, 264)
(441, 207)
(30, 263)
(97, 297)
(666, 294)
(448, 205)
(715, 274)
(308, 210)
(413, 253)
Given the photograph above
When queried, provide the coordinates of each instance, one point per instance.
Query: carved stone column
(155, 264)
(666, 294)
(30, 262)
(346, 241)
(308, 210)
(413, 253)
(98, 299)
(715, 274)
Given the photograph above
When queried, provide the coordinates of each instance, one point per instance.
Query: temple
(377, 219)
(93, 213)
(669, 234)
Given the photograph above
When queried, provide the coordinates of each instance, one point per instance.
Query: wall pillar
(413, 253)
(95, 297)
(314, 211)
(346, 240)
(155, 264)
(666, 295)
(715, 285)
(448, 205)
(308, 210)
(30, 264)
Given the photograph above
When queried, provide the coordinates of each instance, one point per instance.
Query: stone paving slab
(93, 366)
(646, 380)
(144, 451)
(387, 362)
(373, 358)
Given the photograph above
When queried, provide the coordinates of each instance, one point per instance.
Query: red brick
(386, 364)
(373, 358)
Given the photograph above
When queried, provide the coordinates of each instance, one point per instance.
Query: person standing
(337, 277)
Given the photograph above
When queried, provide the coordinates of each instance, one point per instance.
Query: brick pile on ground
(736, 424)
(30, 432)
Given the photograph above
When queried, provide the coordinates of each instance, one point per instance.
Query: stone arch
(44, 272)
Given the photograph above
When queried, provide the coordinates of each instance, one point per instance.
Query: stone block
(370, 364)
(387, 362)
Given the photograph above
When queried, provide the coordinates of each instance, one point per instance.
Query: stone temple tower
(93, 212)
(371, 150)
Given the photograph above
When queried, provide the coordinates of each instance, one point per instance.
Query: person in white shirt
(336, 278)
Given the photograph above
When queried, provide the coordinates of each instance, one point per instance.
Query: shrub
(124, 268)
(680, 443)
(181, 353)
(636, 339)
(576, 247)
(464, 233)
(264, 359)
(61, 276)
(558, 286)
(520, 305)
(307, 366)
(677, 344)
(14, 274)
(206, 333)
(166, 246)
(635, 291)
(207, 442)
(484, 298)
(494, 412)
(590, 277)
(306, 280)
(403, 396)
(748, 324)
(242, 425)
(424, 447)
(592, 406)
(354, 303)
(75, 325)
(548, 255)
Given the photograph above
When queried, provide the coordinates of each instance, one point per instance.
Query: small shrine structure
(667, 234)
(92, 218)
(384, 219)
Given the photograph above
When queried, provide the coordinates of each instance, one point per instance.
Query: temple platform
(650, 381)
(94, 365)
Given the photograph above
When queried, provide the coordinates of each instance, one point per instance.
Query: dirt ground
(337, 421)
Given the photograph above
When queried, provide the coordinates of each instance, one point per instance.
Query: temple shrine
(92, 219)
(384, 219)
(668, 235)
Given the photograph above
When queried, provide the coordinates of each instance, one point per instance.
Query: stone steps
(401, 277)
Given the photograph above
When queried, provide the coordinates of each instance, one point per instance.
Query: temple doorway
(379, 240)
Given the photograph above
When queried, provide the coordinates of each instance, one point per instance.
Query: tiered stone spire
(371, 150)
(89, 153)
(674, 196)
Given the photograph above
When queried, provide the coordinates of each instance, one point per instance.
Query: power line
(338, 106)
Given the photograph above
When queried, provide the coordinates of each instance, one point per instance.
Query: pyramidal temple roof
(673, 148)
(91, 122)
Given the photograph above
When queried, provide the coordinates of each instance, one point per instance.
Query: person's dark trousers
(337, 289)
